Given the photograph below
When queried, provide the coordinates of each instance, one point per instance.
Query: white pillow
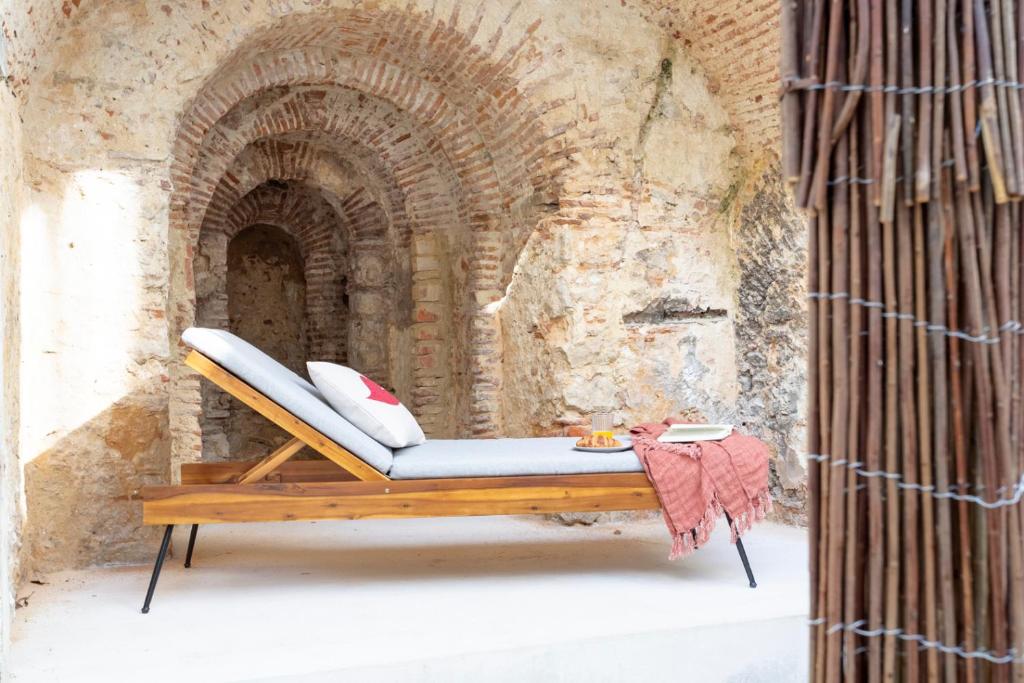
(366, 404)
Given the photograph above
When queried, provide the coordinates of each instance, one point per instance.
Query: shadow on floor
(234, 561)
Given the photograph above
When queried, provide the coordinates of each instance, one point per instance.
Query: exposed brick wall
(447, 141)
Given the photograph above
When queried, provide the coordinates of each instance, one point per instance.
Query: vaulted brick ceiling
(734, 41)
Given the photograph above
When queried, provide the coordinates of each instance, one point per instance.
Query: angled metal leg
(743, 557)
(156, 567)
(746, 563)
(191, 545)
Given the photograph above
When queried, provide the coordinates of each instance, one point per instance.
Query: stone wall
(623, 301)
(11, 501)
(515, 213)
(266, 287)
(771, 321)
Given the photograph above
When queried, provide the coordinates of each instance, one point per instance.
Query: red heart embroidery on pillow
(378, 393)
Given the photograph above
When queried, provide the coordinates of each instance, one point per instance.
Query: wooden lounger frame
(344, 487)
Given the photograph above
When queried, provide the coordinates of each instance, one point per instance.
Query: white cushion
(441, 458)
(287, 389)
(366, 404)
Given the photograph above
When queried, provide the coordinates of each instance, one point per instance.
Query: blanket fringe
(689, 540)
(758, 509)
(685, 542)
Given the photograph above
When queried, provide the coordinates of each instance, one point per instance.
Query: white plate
(627, 443)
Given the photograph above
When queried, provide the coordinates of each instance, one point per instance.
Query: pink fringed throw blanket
(696, 482)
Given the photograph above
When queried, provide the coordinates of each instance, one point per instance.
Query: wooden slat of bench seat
(205, 504)
(293, 471)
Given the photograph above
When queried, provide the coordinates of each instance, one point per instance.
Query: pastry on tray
(598, 441)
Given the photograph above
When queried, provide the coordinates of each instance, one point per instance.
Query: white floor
(472, 599)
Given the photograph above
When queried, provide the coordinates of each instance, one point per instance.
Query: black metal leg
(191, 545)
(746, 563)
(156, 567)
(743, 557)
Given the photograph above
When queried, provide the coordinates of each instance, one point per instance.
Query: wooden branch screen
(903, 140)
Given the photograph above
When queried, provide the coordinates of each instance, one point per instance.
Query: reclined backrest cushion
(366, 404)
(287, 389)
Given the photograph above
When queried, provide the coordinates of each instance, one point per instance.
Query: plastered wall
(544, 209)
(11, 498)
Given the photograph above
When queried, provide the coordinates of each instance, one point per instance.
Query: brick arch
(358, 138)
(437, 361)
(300, 211)
(451, 127)
(367, 215)
(425, 205)
(456, 142)
(290, 158)
(425, 65)
(428, 199)
(267, 164)
(365, 127)
(473, 156)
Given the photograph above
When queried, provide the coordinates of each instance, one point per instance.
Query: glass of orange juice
(601, 425)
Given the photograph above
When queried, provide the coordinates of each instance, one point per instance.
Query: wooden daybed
(344, 486)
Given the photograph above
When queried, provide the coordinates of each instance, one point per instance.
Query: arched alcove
(428, 168)
(266, 296)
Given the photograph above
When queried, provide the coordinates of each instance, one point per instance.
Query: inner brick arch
(307, 158)
(330, 254)
(303, 214)
(389, 152)
(368, 201)
(449, 148)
